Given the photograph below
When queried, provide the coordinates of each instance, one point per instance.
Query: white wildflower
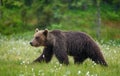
(43, 56)
(88, 73)
(32, 69)
(79, 72)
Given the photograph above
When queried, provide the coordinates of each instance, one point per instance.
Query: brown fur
(76, 44)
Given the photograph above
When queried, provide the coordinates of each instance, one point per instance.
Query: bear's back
(77, 36)
(71, 36)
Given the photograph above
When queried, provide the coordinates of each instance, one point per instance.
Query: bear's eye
(36, 38)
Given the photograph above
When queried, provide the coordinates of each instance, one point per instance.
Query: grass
(16, 56)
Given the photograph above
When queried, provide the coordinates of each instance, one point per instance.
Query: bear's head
(40, 37)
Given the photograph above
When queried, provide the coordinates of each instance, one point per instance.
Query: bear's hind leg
(79, 60)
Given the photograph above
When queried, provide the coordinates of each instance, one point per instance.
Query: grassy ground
(16, 56)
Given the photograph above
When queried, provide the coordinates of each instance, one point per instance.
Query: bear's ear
(36, 30)
(45, 32)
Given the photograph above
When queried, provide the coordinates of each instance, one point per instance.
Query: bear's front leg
(45, 56)
(61, 54)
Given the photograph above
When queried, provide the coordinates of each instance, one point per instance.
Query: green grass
(16, 56)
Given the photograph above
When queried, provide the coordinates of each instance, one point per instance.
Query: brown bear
(76, 44)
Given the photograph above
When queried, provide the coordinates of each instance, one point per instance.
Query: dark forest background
(99, 18)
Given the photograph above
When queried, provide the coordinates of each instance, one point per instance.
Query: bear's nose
(31, 43)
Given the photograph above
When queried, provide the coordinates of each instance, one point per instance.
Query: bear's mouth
(37, 45)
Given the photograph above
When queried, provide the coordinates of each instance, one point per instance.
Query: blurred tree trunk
(28, 2)
(1, 3)
(84, 5)
(24, 16)
(69, 4)
(47, 1)
(98, 19)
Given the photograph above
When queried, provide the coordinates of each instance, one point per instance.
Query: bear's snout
(31, 44)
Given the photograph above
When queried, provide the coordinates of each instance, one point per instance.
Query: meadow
(18, 18)
(16, 56)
